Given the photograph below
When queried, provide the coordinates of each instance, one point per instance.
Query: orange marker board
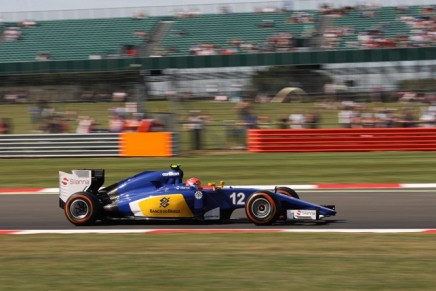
(146, 144)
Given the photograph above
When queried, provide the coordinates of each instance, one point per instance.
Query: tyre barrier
(128, 144)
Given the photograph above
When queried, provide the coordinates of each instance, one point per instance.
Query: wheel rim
(261, 208)
(79, 209)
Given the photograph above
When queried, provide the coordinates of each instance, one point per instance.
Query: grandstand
(211, 34)
(76, 39)
(382, 27)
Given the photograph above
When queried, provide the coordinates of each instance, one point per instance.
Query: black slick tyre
(83, 209)
(262, 208)
(288, 192)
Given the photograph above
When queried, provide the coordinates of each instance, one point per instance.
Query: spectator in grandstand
(42, 57)
(422, 31)
(12, 33)
(119, 96)
(297, 119)
(402, 9)
(85, 125)
(131, 123)
(225, 9)
(6, 125)
(243, 110)
(130, 50)
(300, 17)
(407, 118)
(35, 115)
(326, 9)
(368, 14)
(179, 32)
(267, 23)
(247, 47)
(28, 23)
(330, 90)
(150, 125)
(312, 119)
(383, 118)
(282, 122)
(427, 118)
(203, 49)
(356, 118)
(139, 15)
(244, 113)
(366, 117)
(116, 123)
(141, 34)
(263, 121)
(407, 97)
(56, 124)
(195, 124)
(427, 9)
(281, 42)
(345, 115)
(376, 94)
(187, 13)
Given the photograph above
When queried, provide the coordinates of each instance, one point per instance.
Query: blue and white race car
(165, 195)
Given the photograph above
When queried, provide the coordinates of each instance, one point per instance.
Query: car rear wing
(79, 181)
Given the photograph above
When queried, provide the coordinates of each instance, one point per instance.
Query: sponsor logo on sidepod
(164, 202)
(65, 181)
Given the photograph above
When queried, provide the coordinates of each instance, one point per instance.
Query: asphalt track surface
(357, 209)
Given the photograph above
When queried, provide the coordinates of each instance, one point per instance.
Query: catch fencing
(342, 140)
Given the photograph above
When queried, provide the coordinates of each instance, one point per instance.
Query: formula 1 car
(164, 195)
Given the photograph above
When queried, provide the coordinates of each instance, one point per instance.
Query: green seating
(78, 39)
(75, 39)
(218, 29)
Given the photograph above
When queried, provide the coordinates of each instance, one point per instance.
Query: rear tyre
(262, 208)
(288, 192)
(83, 209)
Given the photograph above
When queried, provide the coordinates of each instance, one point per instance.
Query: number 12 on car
(238, 198)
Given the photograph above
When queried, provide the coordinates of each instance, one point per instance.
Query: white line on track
(263, 230)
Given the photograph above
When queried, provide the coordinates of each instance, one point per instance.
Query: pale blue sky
(44, 5)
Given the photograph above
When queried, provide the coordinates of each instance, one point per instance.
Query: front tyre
(262, 208)
(83, 209)
(288, 192)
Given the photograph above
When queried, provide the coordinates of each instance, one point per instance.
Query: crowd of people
(349, 115)
(381, 34)
(354, 116)
(45, 119)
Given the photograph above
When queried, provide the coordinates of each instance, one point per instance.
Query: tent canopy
(286, 94)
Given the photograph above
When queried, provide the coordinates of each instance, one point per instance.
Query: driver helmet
(193, 182)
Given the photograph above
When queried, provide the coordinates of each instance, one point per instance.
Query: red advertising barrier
(341, 140)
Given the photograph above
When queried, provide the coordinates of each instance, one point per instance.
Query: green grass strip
(240, 169)
(247, 261)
